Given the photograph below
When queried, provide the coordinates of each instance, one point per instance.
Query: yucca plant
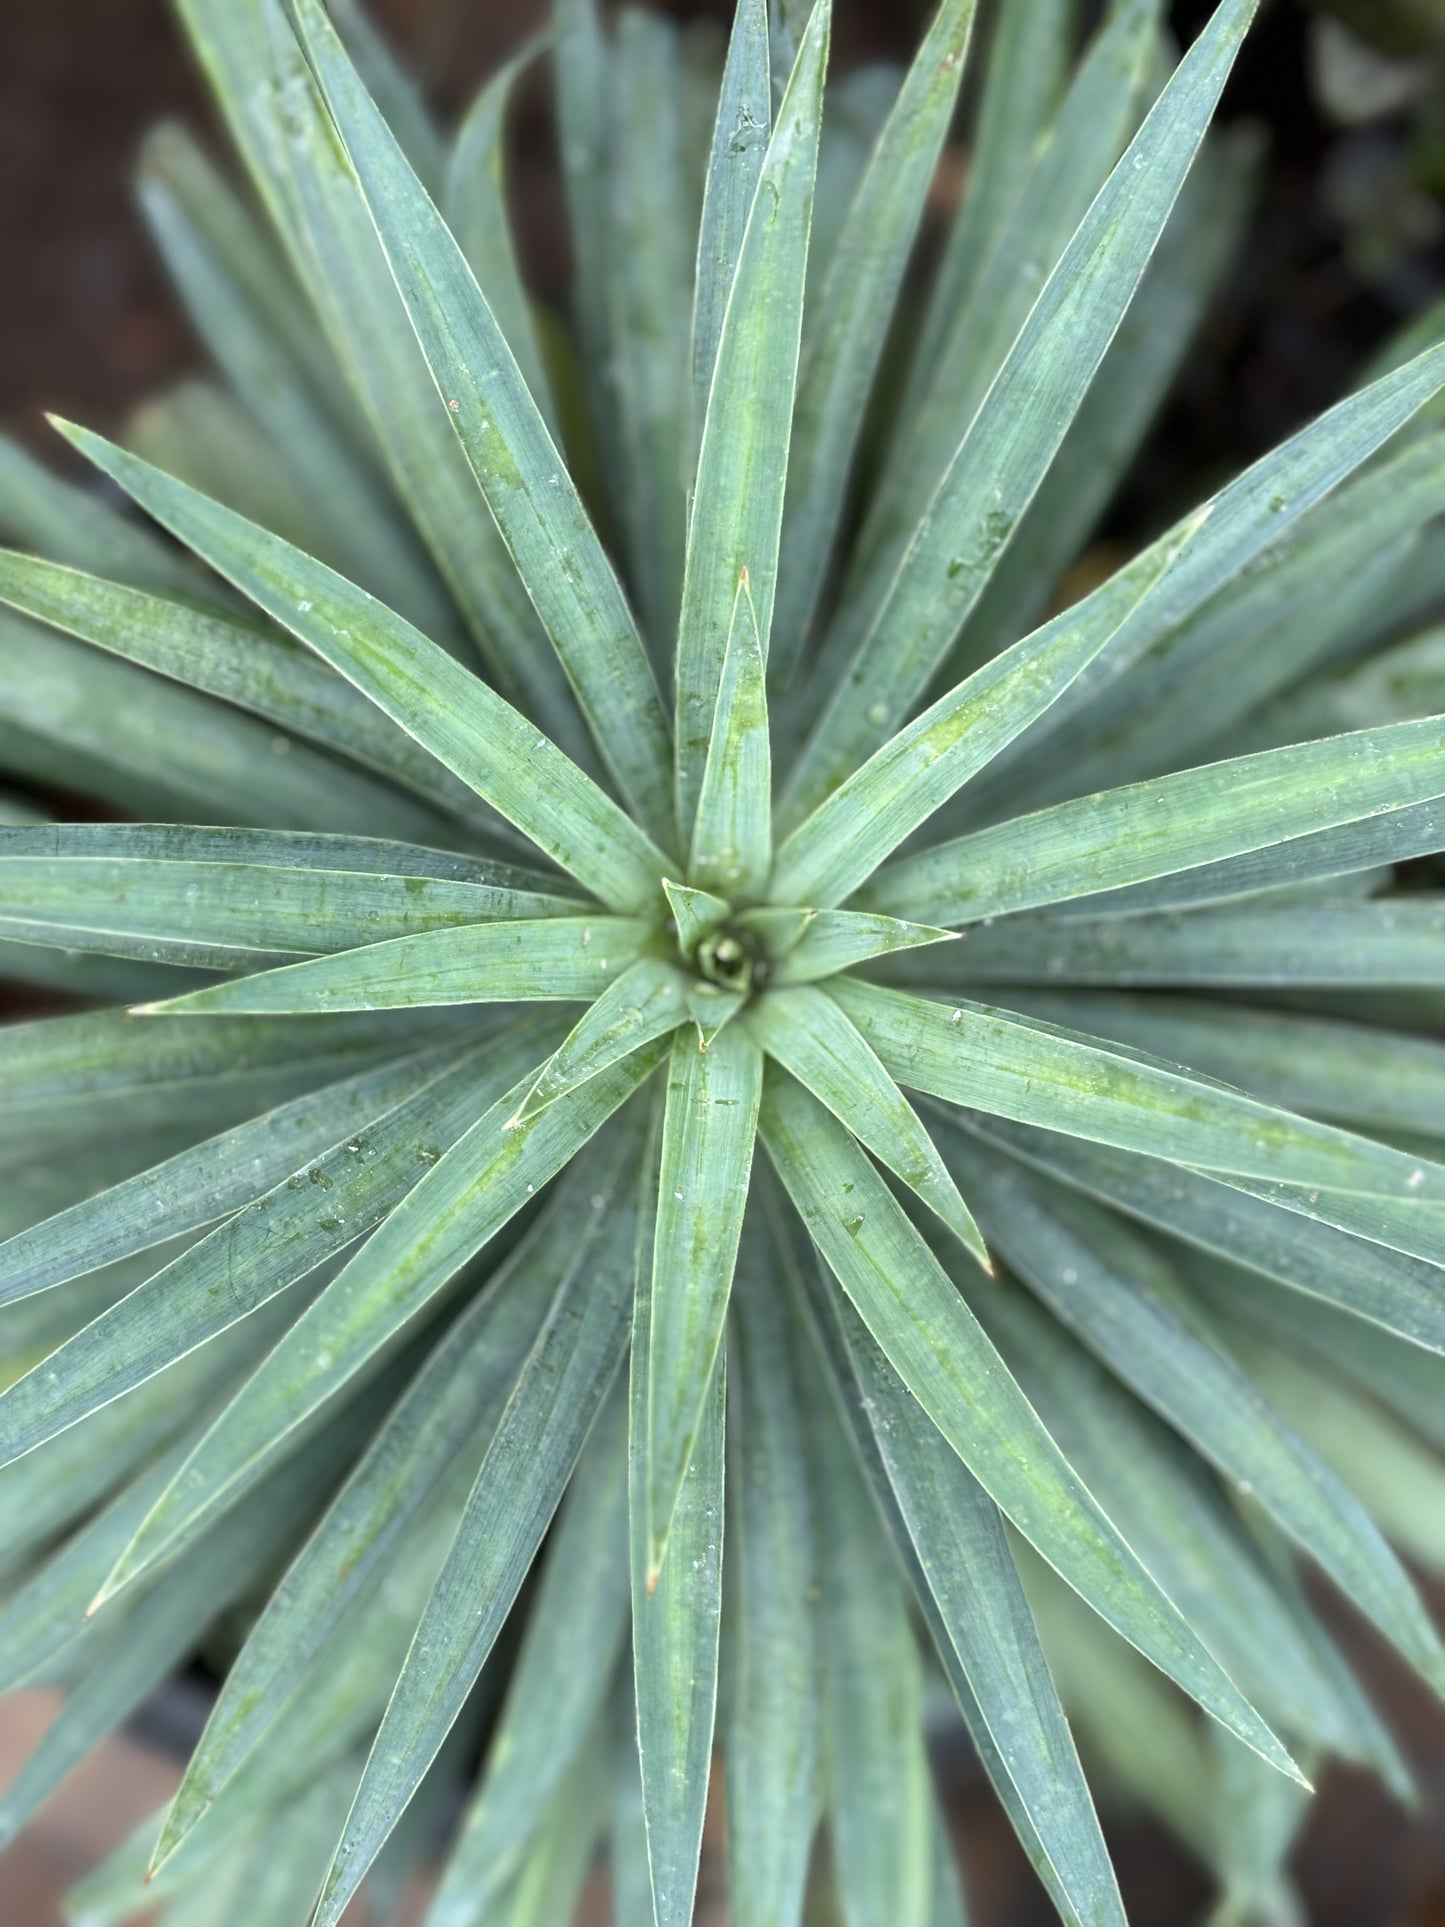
(1089, 1291)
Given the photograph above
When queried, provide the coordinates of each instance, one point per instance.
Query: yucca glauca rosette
(1088, 1290)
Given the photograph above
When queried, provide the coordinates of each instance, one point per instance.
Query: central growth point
(730, 958)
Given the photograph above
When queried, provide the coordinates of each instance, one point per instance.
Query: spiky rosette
(1092, 1277)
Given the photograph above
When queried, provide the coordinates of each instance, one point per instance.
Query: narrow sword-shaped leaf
(476, 1187)
(1102, 1284)
(1195, 252)
(901, 785)
(44, 1616)
(1250, 516)
(280, 122)
(810, 1037)
(770, 1736)
(522, 1478)
(318, 1211)
(707, 1151)
(575, 1632)
(467, 727)
(931, 1339)
(739, 143)
(648, 264)
(1315, 592)
(60, 1075)
(144, 1648)
(1400, 1479)
(582, 59)
(476, 210)
(1173, 823)
(1388, 942)
(742, 464)
(1029, 47)
(1057, 181)
(835, 940)
(441, 1425)
(549, 1885)
(365, 530)
(73, 720)
(393, 89)
(552, 957)
(732, 835)
(952, 1541)
(1020, 1068)
(675, 1620)
(225, 900)
(502, 433)
(1394, 836)
(1135, 1727)
(51, 1488)
(70, 525)
(197, 1186)
(845, 345)
(1020, 422)
(1399, 1293)
(1403, 1378)
(648, 1000)
(877, 1778)
(243, 663)
(1356, 1073)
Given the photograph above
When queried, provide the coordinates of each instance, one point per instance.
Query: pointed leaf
(1029, 46)
(737, 508)
(810, 1037)
(506, 443)
(318, 1211)
(697, 914)
(834, 940)
(80, 722)
(462, 1202)
(245, 664)
(739, 144)
(207, 1182)
(846, 342)
(901, 785)
(462, 722)
(1010, 443)
(441, 1426)
(648, 1000)
(68, 524)
(932, 1340)
(1019, 1068)
(227, 899)
(365, 531)
(675, 1614)
(1101, 1283)
(953, 1544)
(575, 1632)
(1371, 945)
(770, 1733)
(878, 1783)
(1357, 1073)
(556, 957)
(648, 265)
(1318, 1261)
(522, 1478)
(476, 211)
(707, 1151)
(732, 838)
(280, 123)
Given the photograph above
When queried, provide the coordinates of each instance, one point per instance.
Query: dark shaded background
(87, 328)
